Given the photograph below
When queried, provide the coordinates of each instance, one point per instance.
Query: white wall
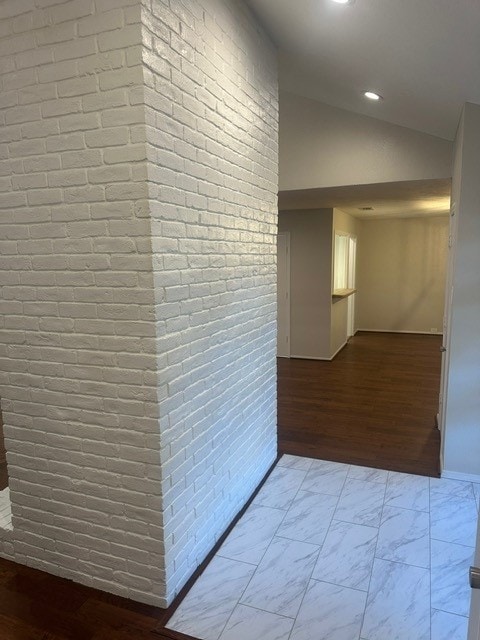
(78, 385)
(401, 271)
(322, 146)
(310, 280)
(462, 429)
(212, 118)
(138, 357)
(318, 325)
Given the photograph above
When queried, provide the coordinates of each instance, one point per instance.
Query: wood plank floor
(37, 606)
(373, 405)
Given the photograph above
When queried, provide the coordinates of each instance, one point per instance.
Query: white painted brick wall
(77, 351)
(211, 114)
(138, 388)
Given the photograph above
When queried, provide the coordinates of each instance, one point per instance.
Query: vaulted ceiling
(422, 56)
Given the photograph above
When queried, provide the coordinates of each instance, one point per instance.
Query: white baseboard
(308, 357)
(323, 359)
(339, 349)
(423, 333)
(457, 475)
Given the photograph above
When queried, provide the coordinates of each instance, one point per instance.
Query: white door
(283, 295)
(452, 242)
(474, 621)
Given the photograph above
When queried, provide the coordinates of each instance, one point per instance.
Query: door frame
(447, 314)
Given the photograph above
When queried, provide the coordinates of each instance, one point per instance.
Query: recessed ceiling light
(365, 208)
(344, 1)
(371, 95)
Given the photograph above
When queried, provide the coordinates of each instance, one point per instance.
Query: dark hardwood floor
(37, 606)
(373, 405)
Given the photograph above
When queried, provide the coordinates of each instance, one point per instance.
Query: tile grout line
(315, 556)
(431, 538)
(374, 556)
(320, 551)
(266, 549)
(343, 586)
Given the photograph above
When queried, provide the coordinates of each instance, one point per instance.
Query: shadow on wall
(423, 259)
(402, 274)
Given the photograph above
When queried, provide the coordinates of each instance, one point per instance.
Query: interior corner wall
(322, 146)
(212, 121)
(310, 281)
(78, 383)
(401, 273)
(462, 432)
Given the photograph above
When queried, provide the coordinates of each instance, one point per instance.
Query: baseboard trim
(160, 629)
(421, 333)
(457, 475)
(322, 359)
(309, 358)
(339, 349)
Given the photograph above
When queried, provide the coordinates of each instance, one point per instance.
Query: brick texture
(138, 181)
(211, 125)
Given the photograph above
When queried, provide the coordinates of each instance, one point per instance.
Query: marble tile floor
(331, 551)
(5, 510)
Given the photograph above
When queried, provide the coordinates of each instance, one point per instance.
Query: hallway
(373, 405)
(329, 551)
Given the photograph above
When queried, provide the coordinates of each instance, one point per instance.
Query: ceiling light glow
(343, 1)
(371, 95)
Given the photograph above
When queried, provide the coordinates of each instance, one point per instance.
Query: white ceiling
(422, 56)
(388, 199)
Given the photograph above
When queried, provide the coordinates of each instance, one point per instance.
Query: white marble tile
(5, 510)
(407, 491)
(308, 518)
(404, 537)
(450, 587)
(290, 534)
(281, 579)
(295, 462)
(361, 503)
(252, 534)
(212, 599)
(329, 612)
(368, 474)
(398, 604)
(247, 622)
(476, 491)
(280, 488)
(453, 518)
(346, 557)
(447, 626)
(329, 465)
(451, 487)
(326, 479)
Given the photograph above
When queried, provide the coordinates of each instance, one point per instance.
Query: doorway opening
(375, 402)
